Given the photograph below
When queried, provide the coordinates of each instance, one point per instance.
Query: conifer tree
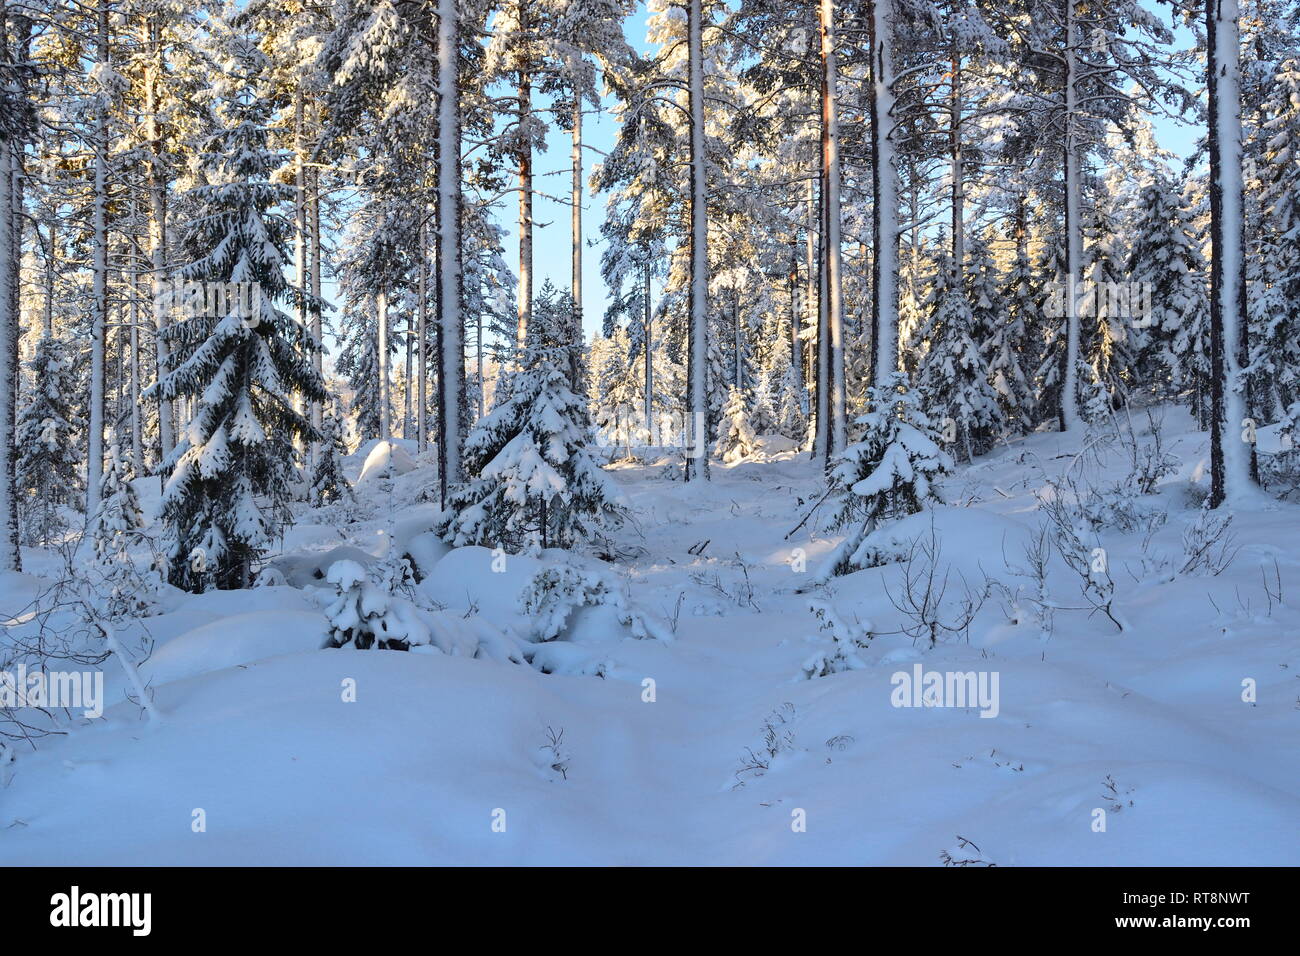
(47, 476)
(229, 478)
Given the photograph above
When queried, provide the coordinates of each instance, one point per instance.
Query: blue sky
(551, 252)
(551, 237)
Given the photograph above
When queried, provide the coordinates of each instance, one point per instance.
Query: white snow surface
(1148, 725)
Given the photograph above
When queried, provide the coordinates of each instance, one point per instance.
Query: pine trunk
(697, 404)
(451, 358)
(885, 176)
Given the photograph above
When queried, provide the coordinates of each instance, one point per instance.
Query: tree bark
(697, 404)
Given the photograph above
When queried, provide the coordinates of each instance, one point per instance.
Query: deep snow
(1149, 725)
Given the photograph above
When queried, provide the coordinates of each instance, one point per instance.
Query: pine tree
(46, 439)
(533, 484)
(230, 478)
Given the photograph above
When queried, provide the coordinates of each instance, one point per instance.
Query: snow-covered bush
(889, 472)
(558, 590)
(365, 615)
(845, 642)
(363, 612)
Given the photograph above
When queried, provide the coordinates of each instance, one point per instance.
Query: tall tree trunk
(647, 346)
(575, 190)
(1230, 451)
(836, 428)
(697, 403)
(422, 339)
(451, 353)
(957, 171)
(317, 262)
(10, 554)
(407, 421)
(811, 304)
(381, 346)
(1073, 224)
(137, 430)
(156, 188)
(796, 323)
(525, 159)
(95, 453)
(884, 270)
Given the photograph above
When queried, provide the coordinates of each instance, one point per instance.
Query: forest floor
(1173, 741)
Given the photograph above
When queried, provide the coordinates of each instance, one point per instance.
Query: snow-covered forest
(917, 486)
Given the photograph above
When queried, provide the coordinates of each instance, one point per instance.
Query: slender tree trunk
(451, 353)
(95, 454)
(647, 328)
(381, 345)
(317, 260)
(1230, 434)
(407, 421)
(836, 428)
(885, 175)
(10, 554)
(697, 404)
(52, 269)
(796, 342)
(1073, 225)
(808, 319)
(957, 172)
(525, 159)
(576, 224)
(156, 188)
(422, 338)
(137, 431)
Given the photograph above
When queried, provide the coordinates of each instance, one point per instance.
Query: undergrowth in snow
(711, 696)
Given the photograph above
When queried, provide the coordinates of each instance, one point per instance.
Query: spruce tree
(46, 439)
(328, 483)
(533, 484)
(230, 477)
(890, 472)
(952, 375)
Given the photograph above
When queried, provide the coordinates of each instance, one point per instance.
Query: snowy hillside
(704, 740)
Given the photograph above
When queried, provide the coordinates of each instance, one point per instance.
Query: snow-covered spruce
(533, 484)
(230, 476)
(119, 524)
(328, 483)
(736, 438)
(845, 641)
(889, 472)
(953, 377)
(364, 613)
(46, 470)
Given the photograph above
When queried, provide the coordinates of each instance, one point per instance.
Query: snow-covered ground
(1175, 741)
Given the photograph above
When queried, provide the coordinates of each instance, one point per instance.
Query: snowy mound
(386, 457)
(235, 640)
